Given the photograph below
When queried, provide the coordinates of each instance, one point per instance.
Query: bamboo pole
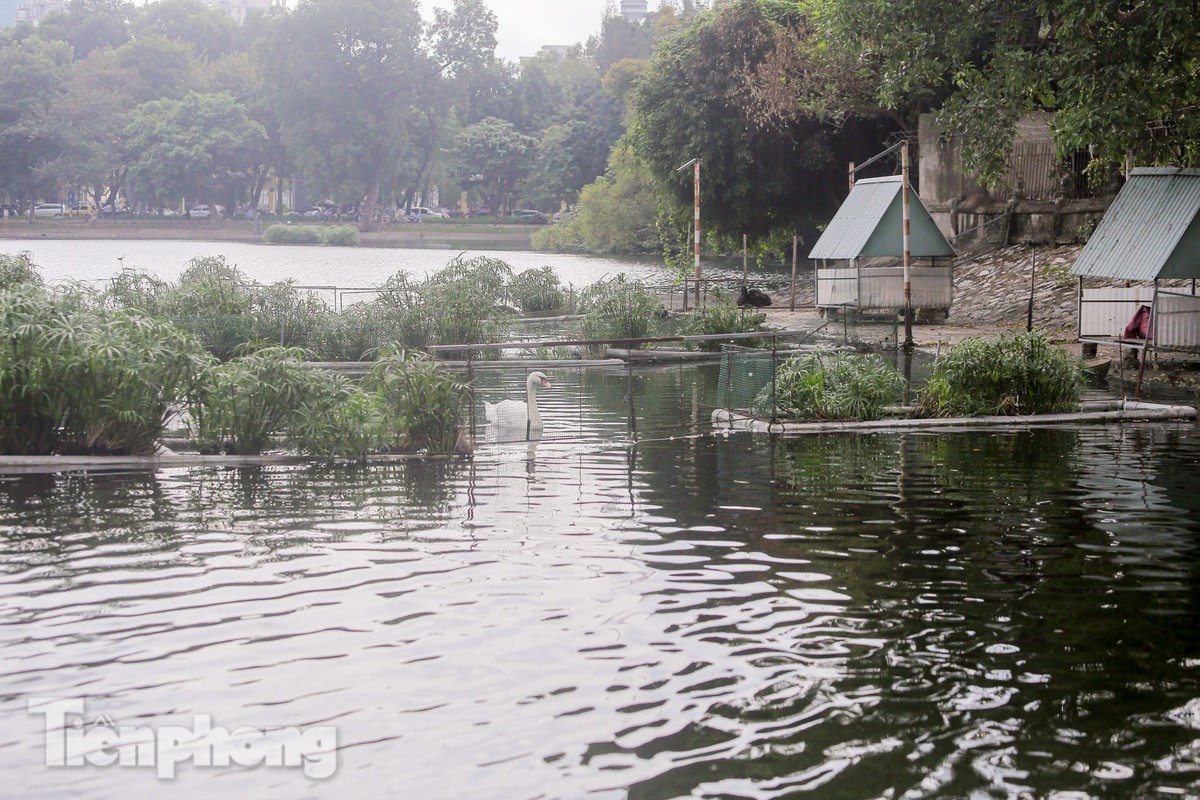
(904, 169)
(796, 246)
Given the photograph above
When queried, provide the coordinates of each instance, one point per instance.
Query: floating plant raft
(1091, 411)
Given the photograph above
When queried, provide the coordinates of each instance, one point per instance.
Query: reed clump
(718, 319)
(829, 385)
(1015, 374)
(619, 308)
(78, 379)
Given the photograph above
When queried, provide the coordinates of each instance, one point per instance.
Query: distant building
(559, 51)
(238, 10)
(633, 10)
(34, 11)
(8, 13)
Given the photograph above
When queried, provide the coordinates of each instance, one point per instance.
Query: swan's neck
(535, 419)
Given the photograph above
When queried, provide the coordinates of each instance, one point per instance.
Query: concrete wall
(1037, 210)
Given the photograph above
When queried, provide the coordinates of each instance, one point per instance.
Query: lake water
(969, 614)
(100, 259)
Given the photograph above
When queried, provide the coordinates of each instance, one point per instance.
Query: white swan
(516, 415)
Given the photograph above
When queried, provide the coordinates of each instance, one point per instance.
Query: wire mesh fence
(650, 393)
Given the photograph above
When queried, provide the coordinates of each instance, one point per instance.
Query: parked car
(421, 211)
(532, 215)
(205, 211)
(112, 210)
(82, 210)
(50, 210)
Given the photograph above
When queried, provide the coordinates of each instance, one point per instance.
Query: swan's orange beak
(546, 383)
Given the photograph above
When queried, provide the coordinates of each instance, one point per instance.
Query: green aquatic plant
(538, 290)
(831, 386)
(252, 398)
(18, 269)
(337, 419)
(420, 404)
(224, 310)
(722, 318)
(620, 309)
(77, 378)
(1015, 374)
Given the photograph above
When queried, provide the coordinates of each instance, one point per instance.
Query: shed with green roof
(859, 256)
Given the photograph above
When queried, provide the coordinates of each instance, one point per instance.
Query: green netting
(745, 373)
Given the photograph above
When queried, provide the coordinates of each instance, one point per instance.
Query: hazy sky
(526, 25)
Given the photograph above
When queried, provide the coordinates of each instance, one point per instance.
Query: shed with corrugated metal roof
(866, 239)
(1150, 234)
(870, 222)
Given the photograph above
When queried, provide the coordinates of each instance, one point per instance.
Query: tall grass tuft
(538, 290)
(19, 269)
(337, 420)
(79, 379)
(1015, 374)
(224, 310)
(832, 386)
(620, 309)
(420, 404)
(725, 318)
(252, 398)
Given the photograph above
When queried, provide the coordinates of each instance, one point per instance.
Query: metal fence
(651, 392)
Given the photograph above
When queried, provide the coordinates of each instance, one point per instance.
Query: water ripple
(856, 616)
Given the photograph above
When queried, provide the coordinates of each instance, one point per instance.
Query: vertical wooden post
(850, 176)
(1032, 288)
(696, 191)
(795, 247)
(904, 201)
(745, 274)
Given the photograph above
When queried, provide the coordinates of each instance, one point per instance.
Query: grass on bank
(330, 235)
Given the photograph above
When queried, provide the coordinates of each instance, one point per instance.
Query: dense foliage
(75, 378)
(538, 290)
(419, 403)
(717, 319)
(335, 235)
(1016, 374)
(620, 309)
(832, 386)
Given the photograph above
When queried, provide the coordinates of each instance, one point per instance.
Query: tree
(162, 67)
(94, 112)
(695, 100)
(572, 154)
(32, 85)
(618, 213)
(1119, 78)
(346, 73)
(208, 32)
(619, 39)
(89, 25)
(192, 147)
(463, 43)
(492, 157)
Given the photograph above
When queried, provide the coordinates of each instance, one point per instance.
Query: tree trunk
(367, 223)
